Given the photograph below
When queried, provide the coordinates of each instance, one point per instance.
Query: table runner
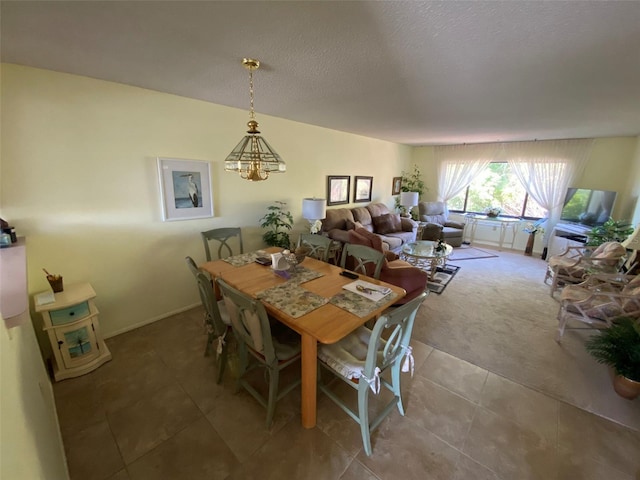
(292, 299)
(245, 258)
(358, 305)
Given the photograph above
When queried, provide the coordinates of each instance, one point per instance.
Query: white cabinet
(71, 322)
(566, 235)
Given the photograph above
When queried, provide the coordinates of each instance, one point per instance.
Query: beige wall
(79, 179)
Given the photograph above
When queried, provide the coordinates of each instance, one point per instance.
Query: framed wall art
(396, 185)
(185, 189)
(337, 189)
(362, 189)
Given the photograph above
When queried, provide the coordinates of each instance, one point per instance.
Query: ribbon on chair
(408, 364)
(220, 343)
(207, 324)
(374, 383)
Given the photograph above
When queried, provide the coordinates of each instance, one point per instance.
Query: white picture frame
(185, 189)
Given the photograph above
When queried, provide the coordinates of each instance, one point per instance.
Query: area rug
(467, 252)
(442, 278)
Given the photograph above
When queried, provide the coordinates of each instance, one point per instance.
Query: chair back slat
(365, 260)
(319, 245)
(222, 236)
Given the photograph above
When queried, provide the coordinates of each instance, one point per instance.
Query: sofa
(393, 230)
(438, 214)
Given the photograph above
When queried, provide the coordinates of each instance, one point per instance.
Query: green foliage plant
(411, 182)
(618, 347)
(279, 221)
(610, 231)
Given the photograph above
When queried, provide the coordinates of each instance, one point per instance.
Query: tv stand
(567, 235)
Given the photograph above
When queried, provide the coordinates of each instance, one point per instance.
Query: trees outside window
(497, 186)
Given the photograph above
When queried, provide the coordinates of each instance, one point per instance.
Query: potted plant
(619, 347)
(278, 221)
(411, 182)
(610, 231)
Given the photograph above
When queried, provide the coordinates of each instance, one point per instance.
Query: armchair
(599, 300)
(437, 213)
(575, 263)
(394, 271)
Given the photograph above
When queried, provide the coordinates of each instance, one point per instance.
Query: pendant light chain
(252, 114)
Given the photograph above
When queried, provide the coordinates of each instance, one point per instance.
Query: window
(497, 186)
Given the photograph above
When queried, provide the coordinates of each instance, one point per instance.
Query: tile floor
(155, 412)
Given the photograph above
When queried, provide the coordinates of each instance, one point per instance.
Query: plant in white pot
(619, 347)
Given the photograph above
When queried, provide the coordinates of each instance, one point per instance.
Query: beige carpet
(498, 315)
(467, 252)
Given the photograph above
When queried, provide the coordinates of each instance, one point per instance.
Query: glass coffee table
(423, 254)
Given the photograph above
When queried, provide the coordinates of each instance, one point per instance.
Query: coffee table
(423, 254)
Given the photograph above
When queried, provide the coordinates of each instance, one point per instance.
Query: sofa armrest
(408, 225)
(431, 231)
(339, 235)
(404, 275)
(459, 225)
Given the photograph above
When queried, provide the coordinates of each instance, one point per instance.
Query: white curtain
(547, 168)
(458, 165)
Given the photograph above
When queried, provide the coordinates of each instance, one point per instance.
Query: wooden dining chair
(259, 346)
(222, 236)
(216, 317)
(319, 245)
(360, 358)
(362, 259)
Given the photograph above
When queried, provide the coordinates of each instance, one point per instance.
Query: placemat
(245, 258)
(292, 299)
(357, 304)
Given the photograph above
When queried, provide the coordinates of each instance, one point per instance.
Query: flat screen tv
(587, 207)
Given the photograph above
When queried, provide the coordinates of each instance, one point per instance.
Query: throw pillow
(351, 225)
(389, 223)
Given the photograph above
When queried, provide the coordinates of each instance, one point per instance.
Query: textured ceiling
(409, 72)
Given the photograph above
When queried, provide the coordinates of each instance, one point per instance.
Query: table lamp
(408, 200)
(314, 210)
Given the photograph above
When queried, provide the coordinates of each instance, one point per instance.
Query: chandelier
(253, 158)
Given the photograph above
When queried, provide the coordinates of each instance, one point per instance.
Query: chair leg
(223, 363)
(274, 377)
(395, 384)
(242, 365)
(562, 324)
(363, 413)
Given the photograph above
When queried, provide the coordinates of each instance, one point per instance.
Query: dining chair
(319, 245)
(222, 236)
(362, 259)
(216, 317)
(360, 359)
(260, 346)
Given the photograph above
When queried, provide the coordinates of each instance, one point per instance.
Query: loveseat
(393, 230)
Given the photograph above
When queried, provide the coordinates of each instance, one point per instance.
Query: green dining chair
(364, 355)
(222, 236)
(319, 245)
(259, 347)
(216, 317)
(362, 259)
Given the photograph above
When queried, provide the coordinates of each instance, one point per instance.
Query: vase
(625, 387)
(492, 215)
(529, 248)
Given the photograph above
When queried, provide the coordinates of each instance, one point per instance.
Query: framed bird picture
(185, 189)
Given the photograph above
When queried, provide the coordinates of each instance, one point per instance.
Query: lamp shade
(409, 199)
(314, 208)
(633, 241)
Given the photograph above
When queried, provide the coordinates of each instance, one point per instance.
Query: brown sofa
(393, 230)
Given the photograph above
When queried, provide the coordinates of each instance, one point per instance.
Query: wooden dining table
(326, 324)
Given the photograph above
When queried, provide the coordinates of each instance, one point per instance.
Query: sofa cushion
(388, 223)
(377, 242)
(353, 225)
(362, 215)
(337, 218)
(377, 209)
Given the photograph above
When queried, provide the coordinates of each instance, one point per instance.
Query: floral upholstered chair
(576, 263)
(599, 300)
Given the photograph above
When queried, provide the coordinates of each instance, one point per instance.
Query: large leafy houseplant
(411, 182)
(619, 348)
(610, 231)
(279, 221)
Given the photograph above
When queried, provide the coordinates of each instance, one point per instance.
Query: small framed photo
(362, 189)
(396, 185)
(185, 189)
(338, 189)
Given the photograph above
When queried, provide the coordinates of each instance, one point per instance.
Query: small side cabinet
(71, 322)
